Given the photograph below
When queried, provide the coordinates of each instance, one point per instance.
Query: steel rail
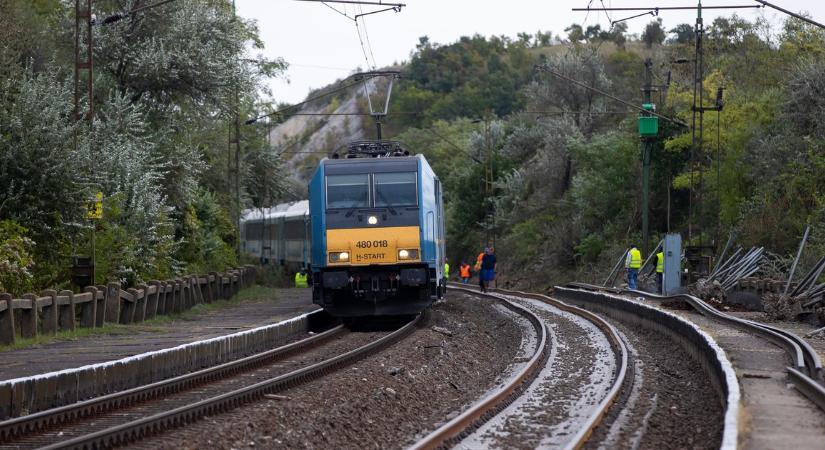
(40, 421)
(806, 374)
(470, 417)
(477, 412)
(141, 428)
(595, 418)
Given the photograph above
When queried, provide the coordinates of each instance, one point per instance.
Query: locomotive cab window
(348, 191)
(395, 189)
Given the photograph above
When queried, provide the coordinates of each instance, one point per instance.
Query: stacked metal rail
(808, 289)
(736, 267)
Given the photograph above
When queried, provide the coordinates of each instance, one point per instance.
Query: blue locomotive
(377, 232)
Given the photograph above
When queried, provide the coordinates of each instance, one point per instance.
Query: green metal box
(648, 126)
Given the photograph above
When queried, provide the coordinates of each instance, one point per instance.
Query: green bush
(16, 260)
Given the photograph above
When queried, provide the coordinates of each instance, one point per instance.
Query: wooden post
(50, 311)
(100, 305)
(154, 301)
(88, 311)
(7, 333)
(28, 324)
(66, 311)
(211, 277)
(113, 303)
(128, 301)
(140, 312)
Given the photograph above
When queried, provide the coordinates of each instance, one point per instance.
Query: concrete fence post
(140, 312)
(28, 322)
(113, 302)
(154, 300)
(197, 288)
(211, 279)
(128, 305)
(176, 294)
(161, 309)
(66, 307)
(50, 312)
(88, 310)
(187, 293)
(100, 305)
(7, 333)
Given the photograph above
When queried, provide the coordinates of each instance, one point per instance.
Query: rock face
(308, 138)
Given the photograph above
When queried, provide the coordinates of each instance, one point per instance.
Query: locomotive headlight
(338, 257)
(372, 220)
(407, 254)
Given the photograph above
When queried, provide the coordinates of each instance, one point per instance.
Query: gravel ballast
(385, 401)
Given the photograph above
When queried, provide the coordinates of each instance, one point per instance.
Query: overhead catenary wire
(367, 37)
(309, 100)
(118, 17)
(545, 68)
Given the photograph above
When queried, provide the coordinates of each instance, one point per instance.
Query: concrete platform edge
(25, 395)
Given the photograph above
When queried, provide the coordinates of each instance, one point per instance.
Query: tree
(575, 33)
(594, 32)
(654, 33)
(683, 34)
(579, 63)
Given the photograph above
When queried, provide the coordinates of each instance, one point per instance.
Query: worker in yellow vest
(660, 269)
(632, 264)
(301, 279)
(446, 273)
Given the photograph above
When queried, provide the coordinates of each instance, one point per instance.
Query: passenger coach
(377, 227)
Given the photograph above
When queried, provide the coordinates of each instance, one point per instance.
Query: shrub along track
(134, 414)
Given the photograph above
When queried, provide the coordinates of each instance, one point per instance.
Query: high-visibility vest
(635, 258)
(301, 280)
(465, 271)
(660, 262)
(446, 270)
(478, 260)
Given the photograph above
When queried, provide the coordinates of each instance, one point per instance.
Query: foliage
(653, 33)
(168, 81)
(16, 259)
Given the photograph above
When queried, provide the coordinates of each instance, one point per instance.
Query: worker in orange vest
(478, 267)
(464, 272)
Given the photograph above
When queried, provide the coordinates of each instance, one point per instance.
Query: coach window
(395, 189)
(348, 191)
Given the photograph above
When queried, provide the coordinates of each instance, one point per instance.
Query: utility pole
(234, 152)
(84, 63)
(648, 137)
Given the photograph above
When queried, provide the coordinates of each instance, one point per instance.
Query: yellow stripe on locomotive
(366, 246)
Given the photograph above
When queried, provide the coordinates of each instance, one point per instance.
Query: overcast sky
(322, 45)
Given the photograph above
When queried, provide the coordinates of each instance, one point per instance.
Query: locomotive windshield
(348, 191)
(395, 189)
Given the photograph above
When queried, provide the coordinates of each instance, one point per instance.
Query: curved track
(806, 373)
(134, 414)
(535, 372)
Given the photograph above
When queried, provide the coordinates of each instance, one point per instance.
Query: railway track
(526, 384)
(805, 374)
(131, 415)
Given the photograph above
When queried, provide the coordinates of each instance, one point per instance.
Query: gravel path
(668, 403)
(578, 375)
(384, 401)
